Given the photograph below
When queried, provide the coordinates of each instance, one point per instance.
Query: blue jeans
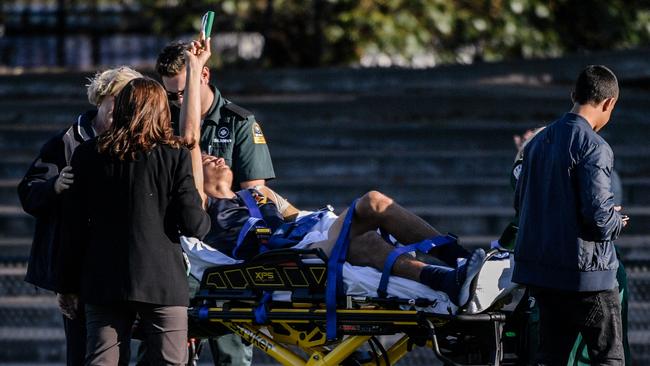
(564, 314)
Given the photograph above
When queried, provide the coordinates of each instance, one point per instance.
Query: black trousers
(109, 333)
(564, 314)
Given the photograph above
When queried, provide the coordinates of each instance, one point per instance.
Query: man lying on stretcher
(373, 211)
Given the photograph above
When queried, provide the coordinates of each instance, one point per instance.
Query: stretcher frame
(294, 333)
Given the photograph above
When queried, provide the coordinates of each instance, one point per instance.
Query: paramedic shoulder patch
(258, 136)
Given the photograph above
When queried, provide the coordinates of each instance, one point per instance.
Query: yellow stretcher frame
(312, 342)
(230, 295)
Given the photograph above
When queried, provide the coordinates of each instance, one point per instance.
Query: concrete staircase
(439, 141)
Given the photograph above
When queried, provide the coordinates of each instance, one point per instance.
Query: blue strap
(203, 313)
(335, 272)
(424, 246)
(248, 226)
(291, 233)
(251, 204)
(254, 220)
(261, 317)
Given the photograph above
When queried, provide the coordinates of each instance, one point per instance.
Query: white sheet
(493, 282)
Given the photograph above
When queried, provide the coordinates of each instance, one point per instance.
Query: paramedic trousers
(109, 333)
(564, 314)
(229, 349)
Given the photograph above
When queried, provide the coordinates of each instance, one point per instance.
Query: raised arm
(190, 116)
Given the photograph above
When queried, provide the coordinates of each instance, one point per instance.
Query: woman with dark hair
(134, 194)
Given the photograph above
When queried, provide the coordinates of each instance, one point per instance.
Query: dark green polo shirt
(231, 132)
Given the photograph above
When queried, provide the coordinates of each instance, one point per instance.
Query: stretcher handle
(483, 317)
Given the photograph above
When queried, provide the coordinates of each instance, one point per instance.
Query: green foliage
(408, 32)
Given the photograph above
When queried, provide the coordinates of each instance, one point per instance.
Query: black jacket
(124, 222)
(567, 220)
(38, 198)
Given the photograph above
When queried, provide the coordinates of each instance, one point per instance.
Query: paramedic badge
(223, 136)
(258, 136)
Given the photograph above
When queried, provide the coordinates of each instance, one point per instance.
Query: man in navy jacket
(568, 221)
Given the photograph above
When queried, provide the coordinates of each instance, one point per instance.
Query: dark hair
(171, 59)
(141, 121)
(595, 84)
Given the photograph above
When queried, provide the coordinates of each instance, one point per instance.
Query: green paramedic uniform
(231, 132)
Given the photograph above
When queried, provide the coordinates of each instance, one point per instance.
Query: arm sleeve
(36, 190)
(599, 220)
(251, 157)
(192, 220)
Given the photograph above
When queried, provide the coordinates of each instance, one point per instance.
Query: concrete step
(8, 191)
(290, 130)
(306, 107)
(374, 166)
(378, 167)
(312, 192)
(12, 282)
(462, 220)
(639, 283)
(483, 191)
(15, 250)
(405, 135)
(27, 312)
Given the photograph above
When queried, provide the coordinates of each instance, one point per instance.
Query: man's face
(175, 87)
(215, 173)
(104, 114)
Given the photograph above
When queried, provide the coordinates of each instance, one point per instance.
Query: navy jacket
(38, 198)
(567, 220)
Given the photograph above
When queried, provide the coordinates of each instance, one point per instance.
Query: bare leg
(369, 249)
(375, 210)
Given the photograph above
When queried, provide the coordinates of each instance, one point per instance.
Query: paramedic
(227, 130)
(567, 223)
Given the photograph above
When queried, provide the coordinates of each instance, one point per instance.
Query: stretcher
(277, 301)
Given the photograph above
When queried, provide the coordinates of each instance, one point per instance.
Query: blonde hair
(109, 82)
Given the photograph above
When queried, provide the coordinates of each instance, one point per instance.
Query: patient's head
(217, 177)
